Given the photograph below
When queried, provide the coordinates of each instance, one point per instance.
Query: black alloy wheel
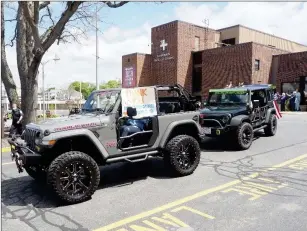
(74, 176)
(182, 155)
(244, 136)
(75, 179)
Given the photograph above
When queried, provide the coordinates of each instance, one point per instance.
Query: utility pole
(97, 54)
(43, 82)
(80, 94)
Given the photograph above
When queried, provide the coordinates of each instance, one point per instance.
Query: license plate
(206, 130)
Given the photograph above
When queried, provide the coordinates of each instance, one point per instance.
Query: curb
(294, 113)
(6, 149)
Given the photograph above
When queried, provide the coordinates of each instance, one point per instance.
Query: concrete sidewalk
(294, 112)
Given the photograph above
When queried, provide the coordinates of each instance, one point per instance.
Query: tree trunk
(28, 65)
(6, 74)
(29, 93)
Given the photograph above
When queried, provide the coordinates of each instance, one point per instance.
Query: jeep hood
(218, 111)
(72, 122)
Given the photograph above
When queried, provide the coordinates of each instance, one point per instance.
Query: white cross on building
(163, 44)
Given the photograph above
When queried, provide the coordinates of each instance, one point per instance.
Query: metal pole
(97, 84)
(43, 80)
(55, 102)
(80, 95)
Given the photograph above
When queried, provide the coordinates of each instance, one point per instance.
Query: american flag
(278, 113)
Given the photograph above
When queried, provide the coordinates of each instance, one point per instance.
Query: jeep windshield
(227, 98)
(101, 101)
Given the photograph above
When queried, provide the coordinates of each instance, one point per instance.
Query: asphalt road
(218, 196)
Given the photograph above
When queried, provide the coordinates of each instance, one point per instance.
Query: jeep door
(138, 131)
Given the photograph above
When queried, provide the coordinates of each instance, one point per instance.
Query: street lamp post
(43, 82)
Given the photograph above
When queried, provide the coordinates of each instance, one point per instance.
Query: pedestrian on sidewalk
(283, 102)
(17, 116)
(297, 100)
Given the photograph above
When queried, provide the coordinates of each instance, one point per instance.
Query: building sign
(141, 98)
(163, 56)
(129, 77)
(163, 44)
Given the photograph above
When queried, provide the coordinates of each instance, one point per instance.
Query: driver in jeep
(131, 125)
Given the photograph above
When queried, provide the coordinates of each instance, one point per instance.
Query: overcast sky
(127, 30)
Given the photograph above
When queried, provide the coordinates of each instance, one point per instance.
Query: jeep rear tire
(36, 173)
(74, 176)
(182, 155)
(271, 129)
(244, 136)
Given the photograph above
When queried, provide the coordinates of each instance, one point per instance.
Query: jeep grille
(210, 124)
(29, 137)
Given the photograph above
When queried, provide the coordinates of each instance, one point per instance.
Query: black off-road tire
(173, 151)
(36, 173)
(245, 130)
(271, 129)
(63, 164)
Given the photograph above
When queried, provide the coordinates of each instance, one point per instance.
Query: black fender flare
(78, 132)
(237, 120)
(172, 126)
(268, 114)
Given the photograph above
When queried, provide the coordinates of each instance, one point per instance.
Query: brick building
(200, 58)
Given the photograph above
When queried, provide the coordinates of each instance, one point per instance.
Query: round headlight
(225, 119)
(46, 132)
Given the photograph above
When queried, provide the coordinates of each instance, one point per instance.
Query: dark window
(128, 60)
(196, 79)
(257, 64)
(231, 41)
(197, 58)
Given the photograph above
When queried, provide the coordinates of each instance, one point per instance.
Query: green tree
(34, 38)
(86, 88)
(111, 84)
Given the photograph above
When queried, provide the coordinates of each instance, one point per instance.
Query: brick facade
(265, 55)
(225, 64)
(290, 67)
(171, 60)
(186, 43)
(141, 64)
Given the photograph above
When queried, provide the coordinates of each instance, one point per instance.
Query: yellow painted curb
(6, 149)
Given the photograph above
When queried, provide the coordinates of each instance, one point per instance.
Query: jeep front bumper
(215, 132)
(23, 156)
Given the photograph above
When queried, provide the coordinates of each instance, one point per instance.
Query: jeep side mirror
(131, 111)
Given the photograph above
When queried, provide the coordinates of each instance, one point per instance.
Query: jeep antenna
(206, 23)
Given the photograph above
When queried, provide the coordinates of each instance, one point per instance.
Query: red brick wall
(225, 64)
(164, 63)
(186, 44)
(291, 67)
(142, 64)
(127, 62)
(265, 55)
(144, 77)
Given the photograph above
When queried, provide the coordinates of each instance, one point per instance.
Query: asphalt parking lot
(263, 188)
